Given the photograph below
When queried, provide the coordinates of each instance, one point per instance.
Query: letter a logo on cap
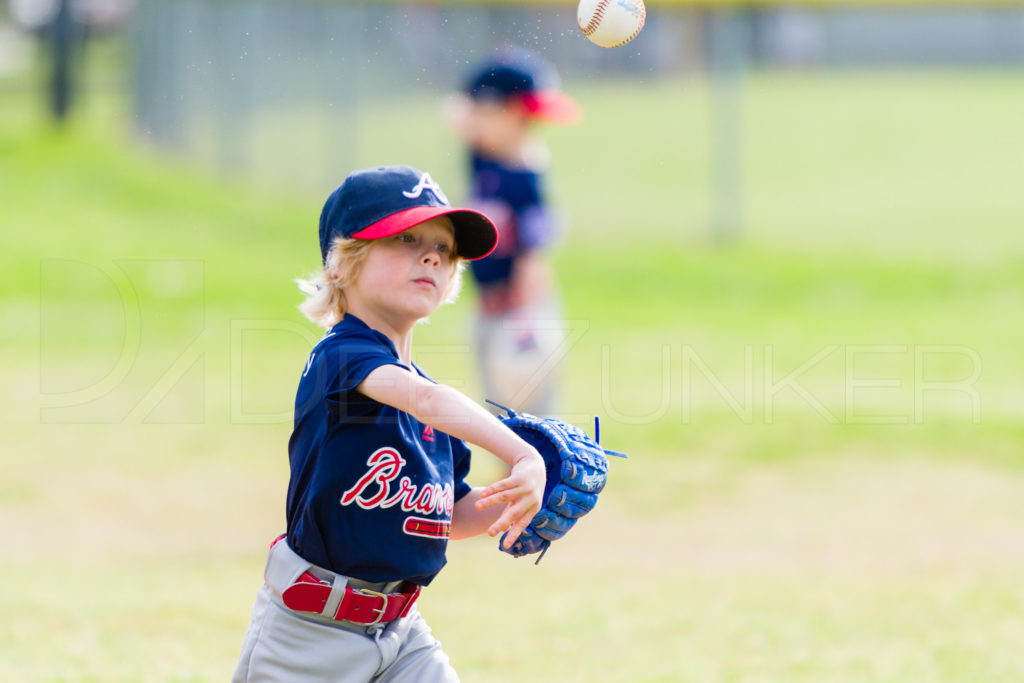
(426, 183)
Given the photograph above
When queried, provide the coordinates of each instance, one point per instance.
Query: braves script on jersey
(372, 488)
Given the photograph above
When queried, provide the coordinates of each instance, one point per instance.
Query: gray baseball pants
(282, 645)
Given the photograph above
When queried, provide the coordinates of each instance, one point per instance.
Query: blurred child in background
(520, 327)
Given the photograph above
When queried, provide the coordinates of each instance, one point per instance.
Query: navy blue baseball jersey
(372, 488)
(514, 200)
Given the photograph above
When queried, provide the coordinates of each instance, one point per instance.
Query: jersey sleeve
(538, 227)
(537, 223)
(336, 368)
(354, 362)
(460, 463)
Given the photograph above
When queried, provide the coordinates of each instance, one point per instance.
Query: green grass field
(823, 417)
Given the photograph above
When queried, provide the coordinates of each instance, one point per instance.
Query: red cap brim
(475, 234)
(552, 105)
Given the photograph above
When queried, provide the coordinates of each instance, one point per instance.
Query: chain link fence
(299, 91)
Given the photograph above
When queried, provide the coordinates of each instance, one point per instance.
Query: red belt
(360, 605)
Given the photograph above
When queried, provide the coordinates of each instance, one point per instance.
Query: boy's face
(495, 128)
(405, 277)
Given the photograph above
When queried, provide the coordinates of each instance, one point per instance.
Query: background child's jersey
(513, 198)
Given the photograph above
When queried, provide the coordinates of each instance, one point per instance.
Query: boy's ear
(334, 270)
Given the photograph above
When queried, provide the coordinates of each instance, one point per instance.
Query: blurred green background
(822, 413)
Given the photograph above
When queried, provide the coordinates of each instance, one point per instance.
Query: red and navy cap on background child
(519, 73)
(383, 201)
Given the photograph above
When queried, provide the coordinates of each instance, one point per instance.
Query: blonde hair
(325, 302)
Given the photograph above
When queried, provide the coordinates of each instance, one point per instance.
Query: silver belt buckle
(380, 610)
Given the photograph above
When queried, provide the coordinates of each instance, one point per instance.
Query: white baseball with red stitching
(611, 23)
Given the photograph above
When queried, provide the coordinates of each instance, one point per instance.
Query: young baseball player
(378, 455)
(520, 322)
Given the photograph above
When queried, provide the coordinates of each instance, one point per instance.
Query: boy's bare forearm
(445, 408)
(454, 413)
(468, 520)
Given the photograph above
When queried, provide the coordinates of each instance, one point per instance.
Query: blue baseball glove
(577, 470)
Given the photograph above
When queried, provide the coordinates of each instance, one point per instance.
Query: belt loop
(283, 566)
(336, 596)
(412, 598)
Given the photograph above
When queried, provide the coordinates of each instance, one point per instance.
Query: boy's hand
(522, 491)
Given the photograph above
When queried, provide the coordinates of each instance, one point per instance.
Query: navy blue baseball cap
(383, 201)
(518, 73)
